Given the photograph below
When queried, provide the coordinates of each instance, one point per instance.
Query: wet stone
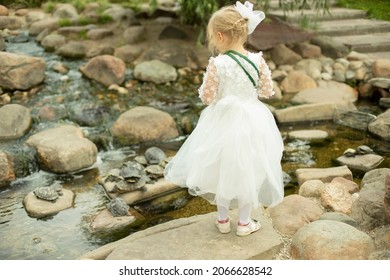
(361, 162)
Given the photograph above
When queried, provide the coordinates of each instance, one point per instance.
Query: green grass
(376, 9)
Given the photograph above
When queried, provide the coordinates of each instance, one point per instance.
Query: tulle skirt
(233, 155)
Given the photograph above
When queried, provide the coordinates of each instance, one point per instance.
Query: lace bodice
(225, 77)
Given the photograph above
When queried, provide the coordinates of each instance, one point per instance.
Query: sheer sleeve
(209, 87)
(265, 86)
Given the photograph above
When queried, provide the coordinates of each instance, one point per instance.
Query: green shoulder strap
(231, 52)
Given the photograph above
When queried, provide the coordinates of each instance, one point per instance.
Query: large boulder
(330, 47)
(381, 68)
(144, 124)
(15, 121)
(380, 127)
(296, 81)
(282, 55)
(369, 209)
(20, 71)
(105, 69)
(63, 149)
(10, 22)
(7, 173)
(294, 212)
(155, 71)
(331, 240)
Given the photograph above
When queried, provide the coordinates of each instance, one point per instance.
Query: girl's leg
(223, 209)
(244, 213)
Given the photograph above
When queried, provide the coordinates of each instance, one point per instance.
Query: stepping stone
(324, 174)
(352, 27)
(334, 14)
(309, 135)
(361, 162)
(374, 42)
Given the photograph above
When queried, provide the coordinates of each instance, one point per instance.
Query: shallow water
(66, 235)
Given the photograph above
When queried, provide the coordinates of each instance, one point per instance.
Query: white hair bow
(254, 17)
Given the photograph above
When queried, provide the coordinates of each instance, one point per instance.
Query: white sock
(244, 214)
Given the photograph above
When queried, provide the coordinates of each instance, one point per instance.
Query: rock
(172, 32)
(311, 112)
(294, 212)
(387, 199)
(311, 135)
(3, 46)
(15, 121)
(99, 33)
(307, 50)
(353, 56)
(329, 47)
(350, 185)
(384, 102)
(175, 53)
(353, 118)
(380, 127)
(331, 240)
(361, 162)
(382, 237)
(38, 208)
(134, 34)
(104, 222)
(374, 180)
(73, 50)
(322, 95)
(144, 124)
(20, 71)
(10, 23)
(297, 81)
(282, 55)
(337, 198)
(4, 11)
(155, 71)
(324, 174)
(35, 15)
(311, 188)
(129, 53)
(380, 255)
(381, 68)
(125, 17)
(88, 114)
(53, 42)
(105, 69)
(7, 173)
(368, 209)
(339, 217)
(21, 12)
(312, 67)
(63, 149)
(49, 24)
(67, 11)
(380, 82)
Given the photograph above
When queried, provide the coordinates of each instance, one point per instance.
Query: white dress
(234, 153)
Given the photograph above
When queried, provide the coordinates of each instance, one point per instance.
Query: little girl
(232, 158)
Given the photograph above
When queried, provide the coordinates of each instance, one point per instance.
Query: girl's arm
(209, 87)
(265, 86)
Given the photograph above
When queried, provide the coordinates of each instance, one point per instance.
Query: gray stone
(384, 102)
(380, 82)
(311, 135)
(294, 212)
(39, 208)
(105, 69)
(49, 24)
(53, 42)
(331, 240)
(65, 11)
(330, 47)
(353, 118)
(380, 127)
(361, 162)
(15, 121)
(194, 232)
(155, 71)
(311, 188)
(134, 34)
(324, 174)
(144, 124)
(10, 22)
(63, 149)
(72, 49)
(339, 217)
(20, 71)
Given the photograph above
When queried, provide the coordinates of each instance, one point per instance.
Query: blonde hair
(231, 24)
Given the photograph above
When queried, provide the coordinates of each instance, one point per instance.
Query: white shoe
(251, 227)
(223, 227)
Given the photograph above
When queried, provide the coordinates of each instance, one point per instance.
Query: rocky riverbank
(316, 79)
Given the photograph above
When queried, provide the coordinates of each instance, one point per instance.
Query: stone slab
(361, 162)
(352, 27)
(333, 14)
(326, 175)
(194, 238)
(374, 42)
